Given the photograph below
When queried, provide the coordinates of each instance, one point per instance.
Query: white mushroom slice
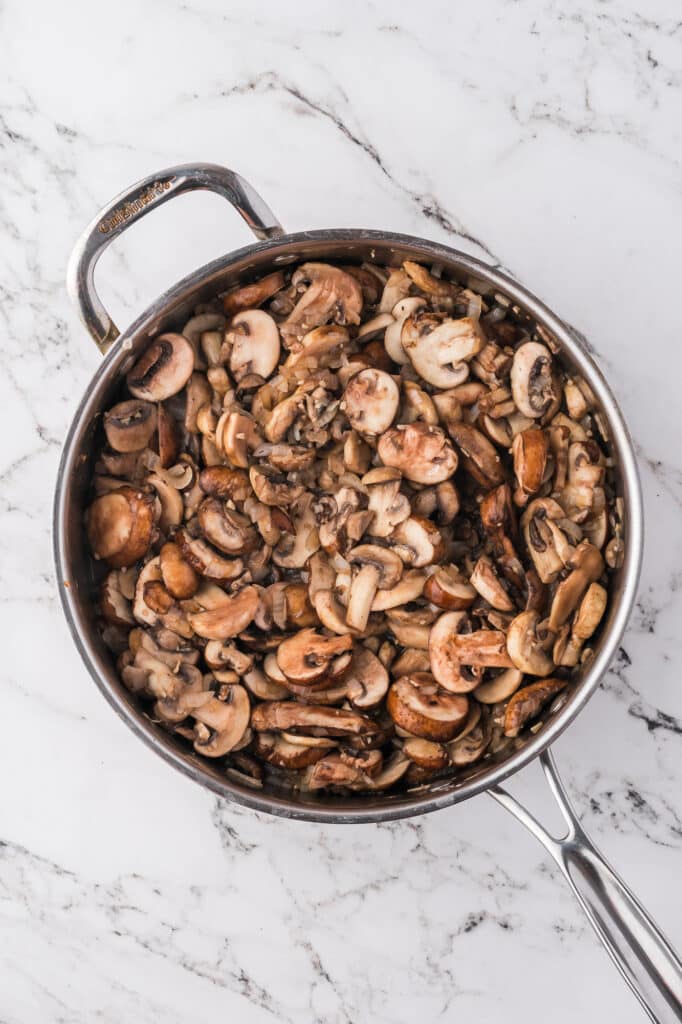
(170, 499)
(418, 542)
(228, 720)
(388, 507)
(229, 619)
(163, 369)
(235, 436)
(439, 348)
(395, 290)
(417, 704)
(527, 645)
(331, 613)
(380, 569)
(370, 401)
(293, 550)
(313, 719)
(410, 628)
(375, 326)
(408, 589)
(533, 385)
(500, 688)
(470, 748)
(457, 657)
(141, 610)
(490, 586)
(392, 343)
(421, 452)
(254, 337)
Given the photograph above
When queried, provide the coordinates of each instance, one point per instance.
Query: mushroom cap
(439, 347)
(163, 369)
(226, 483)
(421, 452)
(255, 344)
(532, 381)
(371, 401)
(129, 426)
(417, 704)
(119, 526)
(179, 577)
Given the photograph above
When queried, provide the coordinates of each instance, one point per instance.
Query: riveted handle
(634, 942)
(138, 200)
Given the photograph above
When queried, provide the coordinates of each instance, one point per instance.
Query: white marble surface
(543, 135)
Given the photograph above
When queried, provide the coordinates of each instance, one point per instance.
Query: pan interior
(74, 566)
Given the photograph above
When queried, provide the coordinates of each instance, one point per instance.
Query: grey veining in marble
(543, 137)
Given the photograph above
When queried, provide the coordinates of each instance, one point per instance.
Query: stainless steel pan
(637, 947)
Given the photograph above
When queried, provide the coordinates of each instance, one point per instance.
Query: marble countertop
(541, 136)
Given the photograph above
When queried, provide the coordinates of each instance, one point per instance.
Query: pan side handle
(637, 947)
(138, 200)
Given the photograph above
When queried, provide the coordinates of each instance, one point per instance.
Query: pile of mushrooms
(357, 524)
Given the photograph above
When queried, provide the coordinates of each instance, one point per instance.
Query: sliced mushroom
(490, 586)
(179, 577)
(529, 449)
(229, 619)
(229, 531)
(223, 482)
(500, 688)
(252, 295)
(401, 311)
(310, 719)
(426, 753)
(417, 704)
(170, 499)
(370, 401)
(205, 560)
(163, 369)
(129, 426)
(255, 347)
(120, 525)
(366, 681)
(527, 703)
(421, 452)
(293, 550)
(272, 487)
(527, 645)
(114, 602)
(418, 542)
(197, 397)
(468, 749)
(547, 544)
(409, 588)
(388, 505)
(448, 588)
(457, 656)
(533, 384)
(411, 628)
(439, 348)
(379, 569)
(331, 295)
(479, 457)
(282, 753)
(236, 435)
(262, 686)
(227, 719)
(307, 656)
(586, 565)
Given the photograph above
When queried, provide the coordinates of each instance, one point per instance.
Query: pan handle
(639, 950)
(134, 203)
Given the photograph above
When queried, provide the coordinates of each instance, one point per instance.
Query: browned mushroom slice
(227, 530)
(420, 451)
(500, 687)
(417, 704)
(527, 643)
(333, 772)
(370, 401)
(254, 340)
(379, 569)
(409, 588)
(163, 370)
(223, 482)
(418, 542)
(262, 686)
(549, 546)
(587, 565)
(457, 657)
(129, 426)
(366, 681)
(388, 506)
(227, 720)
(528, 702)
(479, 457)
(120, 525)
(221, 654)
(467, 749)
(168, 437)
(307, 656)
(255, 294)
(205, 560)
(331, 295)
(170, 500)
(428, 283)
(229, 619)
(197, 397)
(282, 753)
(114, 603)
(426, 753)
(310, 719)
(393, 771)
(533, 384)
(439, 348)
(272, 487)
(490, 586)
(412, 659)
(411, 628)
(294, 549)
(529, 450)
(447, 588)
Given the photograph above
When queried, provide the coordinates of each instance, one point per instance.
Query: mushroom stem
(362, 591)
